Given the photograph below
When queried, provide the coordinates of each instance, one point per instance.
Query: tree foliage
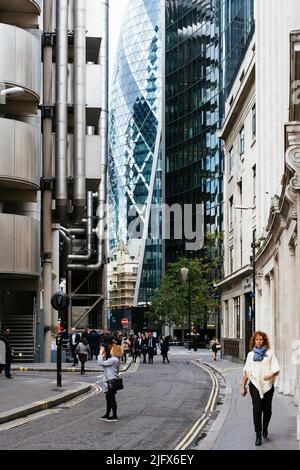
(170, 305)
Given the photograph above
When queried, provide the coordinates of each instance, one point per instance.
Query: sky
(116, 14)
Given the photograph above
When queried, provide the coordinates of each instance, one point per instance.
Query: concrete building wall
(274, 22)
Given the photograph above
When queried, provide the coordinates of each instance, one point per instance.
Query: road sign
(124, 321)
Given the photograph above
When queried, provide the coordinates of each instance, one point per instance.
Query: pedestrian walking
(84, 351)
(165, 349)
(74, 341)
(215, 346)
(144, 346)
(151, 347)
(109, 359)
(6, 353)
(261, 369)
(94, 341)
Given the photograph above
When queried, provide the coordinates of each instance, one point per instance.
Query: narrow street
(157, 408)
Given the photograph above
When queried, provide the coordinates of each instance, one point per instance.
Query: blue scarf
(259, 353)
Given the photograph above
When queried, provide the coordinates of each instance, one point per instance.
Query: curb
(42, 405)
(69, 369)
(210, 439)
(49, 402)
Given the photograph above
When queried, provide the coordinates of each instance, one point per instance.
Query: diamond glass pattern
(134, 140)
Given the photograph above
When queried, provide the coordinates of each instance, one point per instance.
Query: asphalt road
(158, 406)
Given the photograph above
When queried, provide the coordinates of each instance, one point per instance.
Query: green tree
(170, 304)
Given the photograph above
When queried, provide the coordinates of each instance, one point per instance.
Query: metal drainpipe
(89, 232)
(61, 137)
(103, 132)
(79, 109)
(100, 232)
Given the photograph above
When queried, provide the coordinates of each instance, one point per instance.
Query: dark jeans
(6, 368)
(74, 355)
(135, 355)
(261, 407)
(165, 356)
(111, 403)
(150, 355)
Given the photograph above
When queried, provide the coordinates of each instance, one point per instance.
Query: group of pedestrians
(110, 356)
(261, 368)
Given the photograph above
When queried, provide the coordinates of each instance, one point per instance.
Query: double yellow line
(41, 414)
(201, 422)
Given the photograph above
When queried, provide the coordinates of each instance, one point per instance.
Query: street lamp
(185, 274)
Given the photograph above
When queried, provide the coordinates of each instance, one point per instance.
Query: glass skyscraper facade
(135, 138)
(205, 42)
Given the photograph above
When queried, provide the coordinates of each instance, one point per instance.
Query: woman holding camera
(109, 359)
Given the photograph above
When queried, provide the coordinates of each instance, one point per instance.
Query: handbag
(115, 384)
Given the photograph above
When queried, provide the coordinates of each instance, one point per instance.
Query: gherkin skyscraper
(135, 136)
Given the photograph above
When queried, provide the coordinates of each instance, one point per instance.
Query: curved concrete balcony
(21, 6)
(19, 246)
(20, 155)
(20, 62)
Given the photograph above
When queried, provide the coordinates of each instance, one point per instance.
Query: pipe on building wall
(103, 132)
(61, 108)
(101, 195)
(89, 232)
(48, 10)
(79, 108)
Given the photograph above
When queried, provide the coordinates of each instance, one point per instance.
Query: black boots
(265, 433)
(258, 441)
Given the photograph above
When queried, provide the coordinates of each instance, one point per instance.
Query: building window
(242, 141)
(230, 213)
(254, 184)
(237, 316)
(231, 260)
(254, 122)
(231, 161)
(226, 319)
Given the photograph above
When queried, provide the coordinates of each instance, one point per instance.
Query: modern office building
(55, 187)
(135, 142)
(205, 41)
(20, 172)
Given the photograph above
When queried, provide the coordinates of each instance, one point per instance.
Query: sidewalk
(27, 394)
(231, 426)
(90, 366)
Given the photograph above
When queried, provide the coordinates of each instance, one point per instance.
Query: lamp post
(186, 274)
(60, 302)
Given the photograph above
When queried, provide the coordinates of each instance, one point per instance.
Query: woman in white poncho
(261, 369)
